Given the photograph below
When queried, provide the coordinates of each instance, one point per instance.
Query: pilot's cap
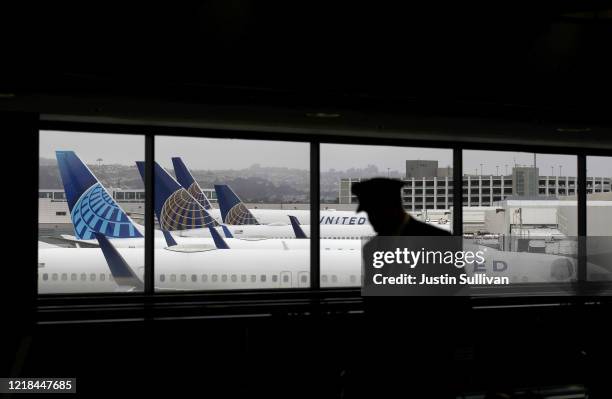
(378, 192)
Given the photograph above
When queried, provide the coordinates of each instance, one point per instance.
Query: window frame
(315, 292)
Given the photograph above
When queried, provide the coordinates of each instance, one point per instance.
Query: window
(520, 206)
(88, 166)
(426, 195)
(528, 235)
(255, 182)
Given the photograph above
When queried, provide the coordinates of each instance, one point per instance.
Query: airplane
(94, 210)
(79, 270)
(107, 269)
(170, 195)
(234, 211)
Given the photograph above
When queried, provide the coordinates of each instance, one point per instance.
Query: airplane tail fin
(233, 210)
(174, 207)
(297, 229)
(185, 179)
(92, 208)
(122, 273)
(219, 241)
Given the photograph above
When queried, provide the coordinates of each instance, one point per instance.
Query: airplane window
(162, 277)
(285, 278)
(239, 173)
(173, 278)
(102, 277)
(324, 278)
(204, 278)
(82, 163)
(274, 278)
(183, 278)
(304, 278)
(54, 277)
(194, 278)
(45, 276)
(263, 278)
(334, 278)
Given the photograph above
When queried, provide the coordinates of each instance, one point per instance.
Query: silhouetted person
(381, 199)
(421, 331)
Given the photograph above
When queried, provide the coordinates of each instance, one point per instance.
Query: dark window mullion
(149, 275)
(582, 217)
(457, 191)
(315, 198)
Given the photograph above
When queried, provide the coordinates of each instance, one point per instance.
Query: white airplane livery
(72, 270)
(107, 269)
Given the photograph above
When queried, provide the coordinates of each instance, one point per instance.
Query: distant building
(418, 169)
(525, 181)
(436, 192)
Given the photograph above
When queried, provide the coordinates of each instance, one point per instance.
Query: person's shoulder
(418, 228)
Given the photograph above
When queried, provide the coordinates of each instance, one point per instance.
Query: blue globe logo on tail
(96, 211)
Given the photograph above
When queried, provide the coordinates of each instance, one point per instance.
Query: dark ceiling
(534, 54)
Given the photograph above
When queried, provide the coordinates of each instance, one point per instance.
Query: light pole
(99, 162)
(552, 170)
(497, 170)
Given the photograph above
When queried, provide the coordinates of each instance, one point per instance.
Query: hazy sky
(205, 153)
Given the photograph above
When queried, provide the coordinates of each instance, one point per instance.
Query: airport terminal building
(430, 187)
